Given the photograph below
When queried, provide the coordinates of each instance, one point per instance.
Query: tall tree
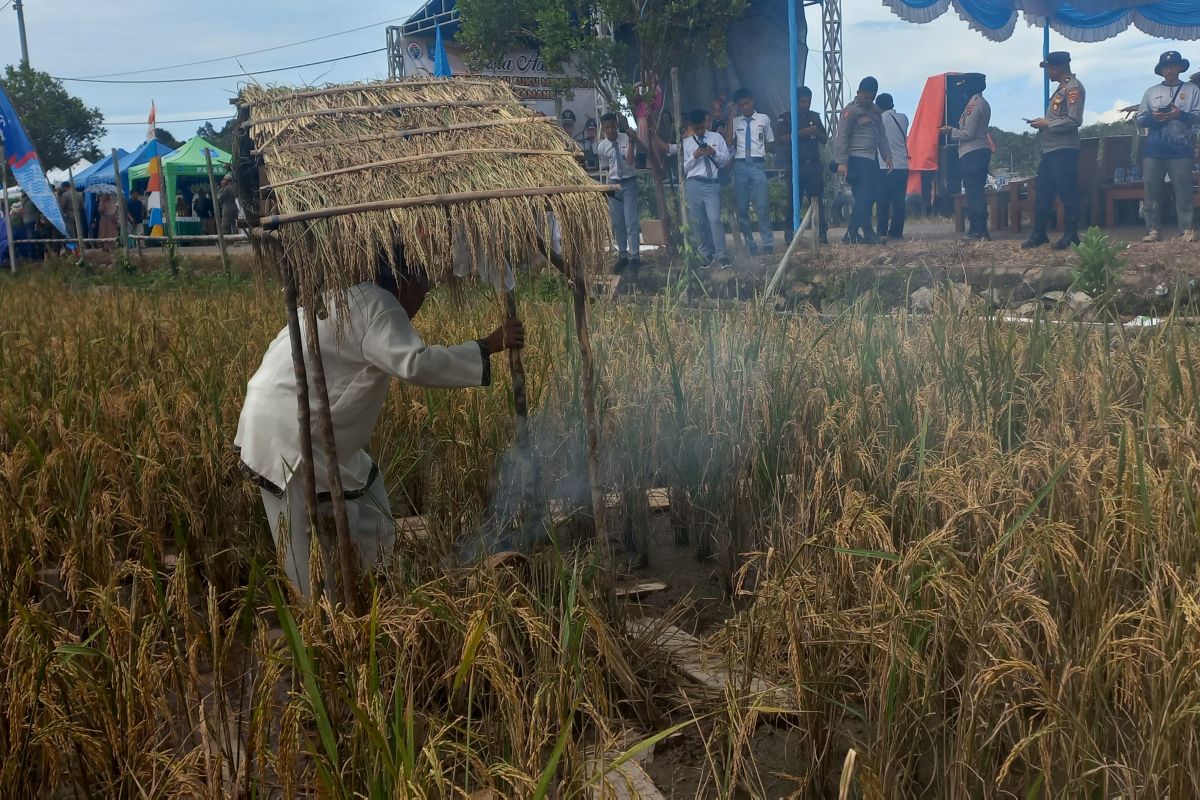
(221, 138)
(165, 137)
(60, 126)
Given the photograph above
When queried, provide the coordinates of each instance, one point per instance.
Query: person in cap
(365, 341)
(1168, 112)
(860, 142)
(617, 152)
(974, 154)
(748, 134)
(893, 185)
(567, 120)
(810, 135)
(1058, 171)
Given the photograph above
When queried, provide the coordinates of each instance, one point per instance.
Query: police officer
(810, 133)
(860, 140)
(1058, 172)
(974, 154)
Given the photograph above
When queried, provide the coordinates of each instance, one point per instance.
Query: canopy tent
(101, 166)
(127, 161)
(186, 162)
(57, 176)
(1079, 21)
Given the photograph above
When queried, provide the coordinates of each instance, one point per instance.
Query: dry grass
(464, 136)
(982, 575)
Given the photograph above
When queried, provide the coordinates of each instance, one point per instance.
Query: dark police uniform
(812, 170)
(1058, 172)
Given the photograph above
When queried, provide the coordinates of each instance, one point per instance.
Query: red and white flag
(150, 123)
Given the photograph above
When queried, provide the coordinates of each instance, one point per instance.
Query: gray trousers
(1154, 172)
(704, 211)
(750, 186)
(372, 529)
(626, 221)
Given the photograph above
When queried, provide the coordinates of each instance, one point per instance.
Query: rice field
(962, 556)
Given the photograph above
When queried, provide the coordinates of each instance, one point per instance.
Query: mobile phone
(1026, 119)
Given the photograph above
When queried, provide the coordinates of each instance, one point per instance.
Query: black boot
(1037, 238)
(1070, 236)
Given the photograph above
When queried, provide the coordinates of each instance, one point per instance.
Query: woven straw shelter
(347, 172)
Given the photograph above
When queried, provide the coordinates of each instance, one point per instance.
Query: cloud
(1114, 114)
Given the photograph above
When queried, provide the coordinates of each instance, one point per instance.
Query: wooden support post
(529, 477)
(347, 559)
(809, 221)
(591, 423)
(75, 211)
(122, 212)
(212, 188)
(679, 138)
(12, 248)
(308, 473)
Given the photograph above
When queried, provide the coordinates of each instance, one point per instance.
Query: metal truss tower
(831, 41)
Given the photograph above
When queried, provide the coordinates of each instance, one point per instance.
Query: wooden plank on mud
(686, 652)
(632, 591)
(625, 782)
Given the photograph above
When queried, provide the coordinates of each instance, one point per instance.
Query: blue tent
(101, 167)
(144, 153)
(1079, 21)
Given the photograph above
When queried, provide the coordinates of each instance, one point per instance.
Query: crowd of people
(731, 143)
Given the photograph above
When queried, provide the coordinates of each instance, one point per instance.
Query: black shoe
(1037, 239)
(726, 263)
(635, 264)
(977, 237)
(620, 266)
(769, 251)
(1066, 241)
(823, 239)
(869, 239)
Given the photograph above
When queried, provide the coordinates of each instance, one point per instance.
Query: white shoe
(1189, 235)
(1152, 236)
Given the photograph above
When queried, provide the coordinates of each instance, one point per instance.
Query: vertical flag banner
(150, 122)
(441, 63)
(26, 167)
(154, 197)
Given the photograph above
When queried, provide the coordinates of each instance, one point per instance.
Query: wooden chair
(1117, 154)
(1023, 194)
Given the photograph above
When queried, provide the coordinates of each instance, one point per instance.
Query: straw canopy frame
(346, 173)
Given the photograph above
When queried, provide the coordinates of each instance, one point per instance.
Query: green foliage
(222, 138)
(166, 138)
(1099, 263)
(1021, 152)
(660, 34)
(60, 126)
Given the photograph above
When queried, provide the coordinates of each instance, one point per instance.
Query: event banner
(23, 161)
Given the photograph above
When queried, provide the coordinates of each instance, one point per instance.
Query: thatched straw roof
(418, 153)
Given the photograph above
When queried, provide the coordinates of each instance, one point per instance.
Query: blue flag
(23, 160)
(441, 64)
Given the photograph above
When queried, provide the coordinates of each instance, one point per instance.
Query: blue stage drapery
(1080, 21)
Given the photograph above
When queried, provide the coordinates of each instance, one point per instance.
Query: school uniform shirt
(971, 134)
(1185, 97)
(759, 127)
(706, 167)
(362, 352)
(614, 157)
(860, 134)
(1065, 115)
(895, 127)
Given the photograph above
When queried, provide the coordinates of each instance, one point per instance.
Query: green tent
(186, 162)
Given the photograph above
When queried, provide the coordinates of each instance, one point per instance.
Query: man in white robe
(362, 352)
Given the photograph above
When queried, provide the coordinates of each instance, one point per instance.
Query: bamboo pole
(404, 134)
(323, 112)
(530, 474)
(391, 162)
(365, 87)
(308, 473)
(12, 248)
(122, 211)
(591, 424)
(347, 560)
(679, 190)
(806, 223)
(75, 211)
(212, 189)
(276, 220)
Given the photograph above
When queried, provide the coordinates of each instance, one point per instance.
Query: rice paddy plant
(967, 550)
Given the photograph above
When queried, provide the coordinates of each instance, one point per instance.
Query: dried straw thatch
(411, 150)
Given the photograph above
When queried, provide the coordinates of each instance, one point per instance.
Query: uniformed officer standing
(1058, 172)
(974, 154)
(1168, 112)
(748, 133)
(810, 131)
(860, 139)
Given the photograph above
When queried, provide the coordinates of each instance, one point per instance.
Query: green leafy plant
(1099, 264)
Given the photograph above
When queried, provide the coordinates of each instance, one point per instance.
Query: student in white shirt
(893, 189)
(748, 133)
(617, 152)
(362, 351)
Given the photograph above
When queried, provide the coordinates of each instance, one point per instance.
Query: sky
(80, 38)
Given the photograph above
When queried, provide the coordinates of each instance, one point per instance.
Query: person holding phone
(1168, 112)
(974, 154)
(1058, 171)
